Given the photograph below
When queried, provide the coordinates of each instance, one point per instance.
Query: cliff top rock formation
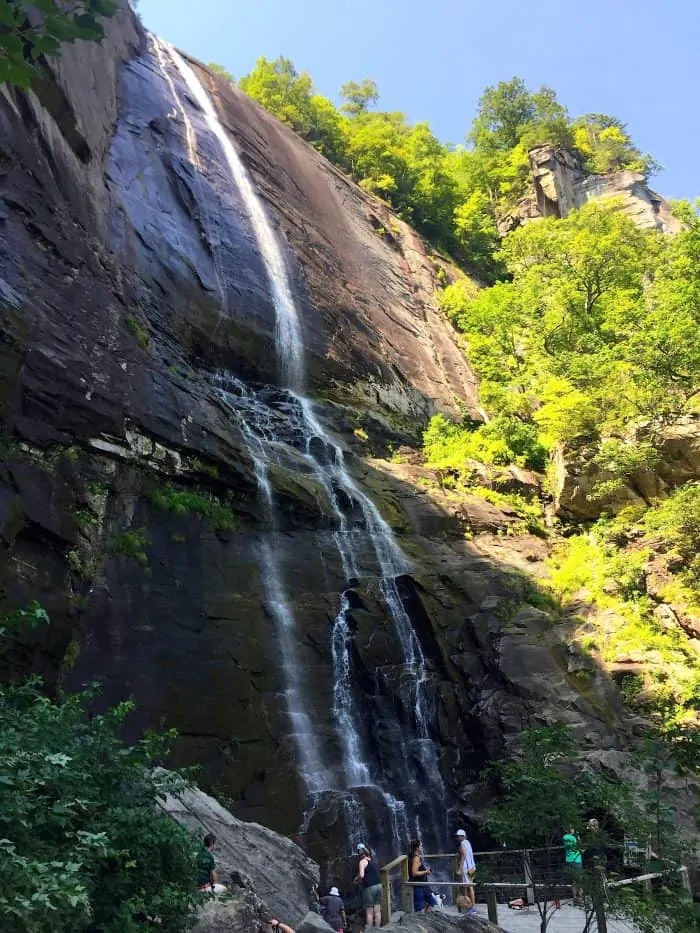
(562, 183)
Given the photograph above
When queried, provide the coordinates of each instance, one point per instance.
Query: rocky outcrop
(582, 489)
(265, 872)
(561, 184)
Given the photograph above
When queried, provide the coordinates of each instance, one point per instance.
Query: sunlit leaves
(31, 30)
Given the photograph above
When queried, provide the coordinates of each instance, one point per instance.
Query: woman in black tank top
(423, 897)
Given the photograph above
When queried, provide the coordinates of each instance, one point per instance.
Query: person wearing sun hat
(333, 910)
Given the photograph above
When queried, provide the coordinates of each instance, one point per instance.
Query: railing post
(599, 900)
(685, 880)
(492, 905)
(406, 892)
(386, 895)
(529, 884)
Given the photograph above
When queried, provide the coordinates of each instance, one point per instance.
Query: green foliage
(86, 516)
(622, 459)
(290, 96)
(676, 521)
(593, 332)
(137, 329)
(606, 146)
(82, 839)
(180, 502)
(503, 440)
(22, 619)
(453, 196)
(593, 565)
(131, 544)
(221, 71)
(546, 779)
(530, 513)
(358, 97)
(23, 44)
(509, 114)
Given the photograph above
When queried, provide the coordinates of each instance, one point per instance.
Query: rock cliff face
(561, 184)
(138, 392)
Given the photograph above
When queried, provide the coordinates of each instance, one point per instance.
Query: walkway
(568, 919)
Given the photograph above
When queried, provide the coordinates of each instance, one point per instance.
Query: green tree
(83, 842)
(358, 96)
(221, 71)
(572, 341)
(282, 90)
(510, 114)
(606, 146)
(29, 30)
(543, 791)
(676, 521)
(291, 97)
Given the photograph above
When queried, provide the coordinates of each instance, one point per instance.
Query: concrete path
(568, 919)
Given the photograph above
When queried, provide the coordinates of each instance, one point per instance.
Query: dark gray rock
(264, 871)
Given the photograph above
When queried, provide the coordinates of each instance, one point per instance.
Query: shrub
(137, 329)
(180, 502)
(81, 837)
(502, 441)
(677, 522)
(131, 544)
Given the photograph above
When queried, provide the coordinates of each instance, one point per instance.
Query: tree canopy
(594, 329)
(454, 196)
(29, 30)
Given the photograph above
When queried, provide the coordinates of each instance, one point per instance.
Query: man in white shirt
(465, 869)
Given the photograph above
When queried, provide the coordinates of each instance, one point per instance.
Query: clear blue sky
(431, 59)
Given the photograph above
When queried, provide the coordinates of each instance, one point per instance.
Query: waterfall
(271, 437)
(288, 339)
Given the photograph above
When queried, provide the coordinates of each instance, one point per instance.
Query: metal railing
(531, 871)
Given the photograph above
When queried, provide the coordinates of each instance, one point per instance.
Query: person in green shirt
(574, 863)
(206, 868)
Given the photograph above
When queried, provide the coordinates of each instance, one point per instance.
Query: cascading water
(288, 338)
(314, 447)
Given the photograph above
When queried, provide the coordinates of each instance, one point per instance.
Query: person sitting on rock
(333, 910)
(368, 877)
(206, 868)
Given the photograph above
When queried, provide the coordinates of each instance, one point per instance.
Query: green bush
(530, 513)
(502, 441)
(131, 544)
(677, 522)
(588, 565)
(180, 502)
(82, 840)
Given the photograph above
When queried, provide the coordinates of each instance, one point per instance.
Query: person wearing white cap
(368, 878)
(333, 910)
(465, 869)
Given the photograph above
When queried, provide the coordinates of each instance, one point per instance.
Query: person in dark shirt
(594, 845)
(368, 877)
(333, 910)
(423, 897)
(206, 868)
